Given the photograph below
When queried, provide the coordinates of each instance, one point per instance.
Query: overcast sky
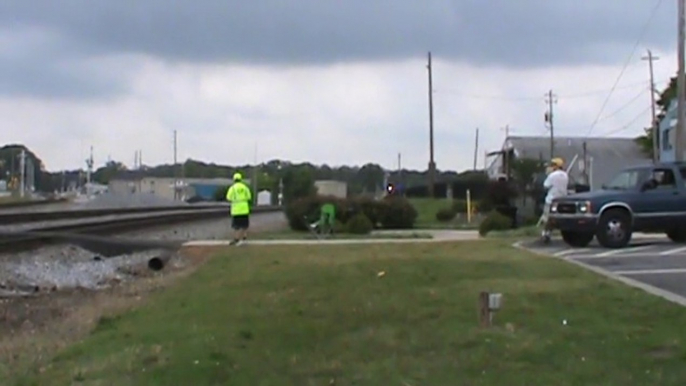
(336, 82)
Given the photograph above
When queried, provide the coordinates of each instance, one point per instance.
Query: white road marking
(570, 251)
(673, 251)
(650, 271)
(623, 251)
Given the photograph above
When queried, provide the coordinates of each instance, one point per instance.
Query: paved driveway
(653, 263)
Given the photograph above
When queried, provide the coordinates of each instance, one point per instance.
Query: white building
(332, 188)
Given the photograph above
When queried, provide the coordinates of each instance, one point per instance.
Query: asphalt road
(656, 262)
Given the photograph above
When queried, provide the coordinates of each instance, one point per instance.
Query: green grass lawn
(426, 215)
(322, 315)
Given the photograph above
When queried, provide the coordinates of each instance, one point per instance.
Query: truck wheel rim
(615, 229)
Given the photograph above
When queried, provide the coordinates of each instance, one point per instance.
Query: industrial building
(332, 188)
(590, 161)
(180, 189)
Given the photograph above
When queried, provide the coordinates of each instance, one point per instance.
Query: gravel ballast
(66, 266)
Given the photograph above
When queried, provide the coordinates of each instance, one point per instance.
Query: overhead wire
(626, 64)
(629, 124)
(538, 98)
(624, 106)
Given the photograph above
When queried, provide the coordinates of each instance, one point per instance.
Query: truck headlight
(584, 207)
(553, 207)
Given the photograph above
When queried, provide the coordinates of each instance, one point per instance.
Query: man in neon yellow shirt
(240, 197)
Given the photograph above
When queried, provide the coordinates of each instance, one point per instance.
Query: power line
(626, 64)
(538, 98)
(629, 124)
(624, 106)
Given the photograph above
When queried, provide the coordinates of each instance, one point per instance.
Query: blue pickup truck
(638, 199)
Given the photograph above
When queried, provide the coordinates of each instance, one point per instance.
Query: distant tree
(298, 183)
(104, 174)
(524, 172)
(662, 102)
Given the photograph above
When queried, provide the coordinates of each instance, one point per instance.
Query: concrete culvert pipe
(158, 263)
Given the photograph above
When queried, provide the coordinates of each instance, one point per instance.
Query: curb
(672, 297)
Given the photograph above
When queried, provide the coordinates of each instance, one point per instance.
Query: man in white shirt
(556, 184)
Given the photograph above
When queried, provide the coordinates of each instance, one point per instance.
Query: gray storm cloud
(514, 34)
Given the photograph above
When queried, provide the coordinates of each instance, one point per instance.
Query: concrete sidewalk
(436, 236)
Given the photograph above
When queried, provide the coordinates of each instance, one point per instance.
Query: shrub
(399, 214)
(374, 210)
(359, 224)
(390, 213)
(494, 221)
(308, 207)
(446, 214)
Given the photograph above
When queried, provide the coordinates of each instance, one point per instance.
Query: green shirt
(239, 196)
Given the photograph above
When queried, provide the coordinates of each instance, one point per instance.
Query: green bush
(400, 214)
(393, 213)
(305, 210)
(374, 210)
(446, 214)
(359, 224)
(494, 221)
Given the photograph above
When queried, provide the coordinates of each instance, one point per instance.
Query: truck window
(664, 178)
(627, 179)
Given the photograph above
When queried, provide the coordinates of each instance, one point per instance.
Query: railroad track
(29, 217)
(84, 233)
(31, 203)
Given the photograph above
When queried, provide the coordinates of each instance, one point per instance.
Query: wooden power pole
(654, 126)
(432, 164)
(550, 99)
(476, 147)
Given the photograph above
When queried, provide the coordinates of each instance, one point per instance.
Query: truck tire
(577, 239)
(677, 235)
(614, 228)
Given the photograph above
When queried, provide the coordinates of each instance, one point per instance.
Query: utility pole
(254, 177)
(400, 171)
(550, 100)
(432, 164)
(89, 172)
(654, 126)
(22, 173)
(476, 147)
(681, 83)
(176, 169)
(585, 158)
(506, 152)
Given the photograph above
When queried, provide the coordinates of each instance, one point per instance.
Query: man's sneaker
(233, 242)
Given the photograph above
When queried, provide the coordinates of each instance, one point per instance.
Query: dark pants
(240, 222)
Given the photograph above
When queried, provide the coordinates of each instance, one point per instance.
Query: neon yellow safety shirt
(239, 196)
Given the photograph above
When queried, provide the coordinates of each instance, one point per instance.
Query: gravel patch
(62, 267)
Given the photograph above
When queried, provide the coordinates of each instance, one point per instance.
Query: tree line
(367, 178)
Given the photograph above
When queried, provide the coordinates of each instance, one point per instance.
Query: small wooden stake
(484, 312)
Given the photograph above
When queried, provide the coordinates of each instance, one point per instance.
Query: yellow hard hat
(557, 162)
(237, 177)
